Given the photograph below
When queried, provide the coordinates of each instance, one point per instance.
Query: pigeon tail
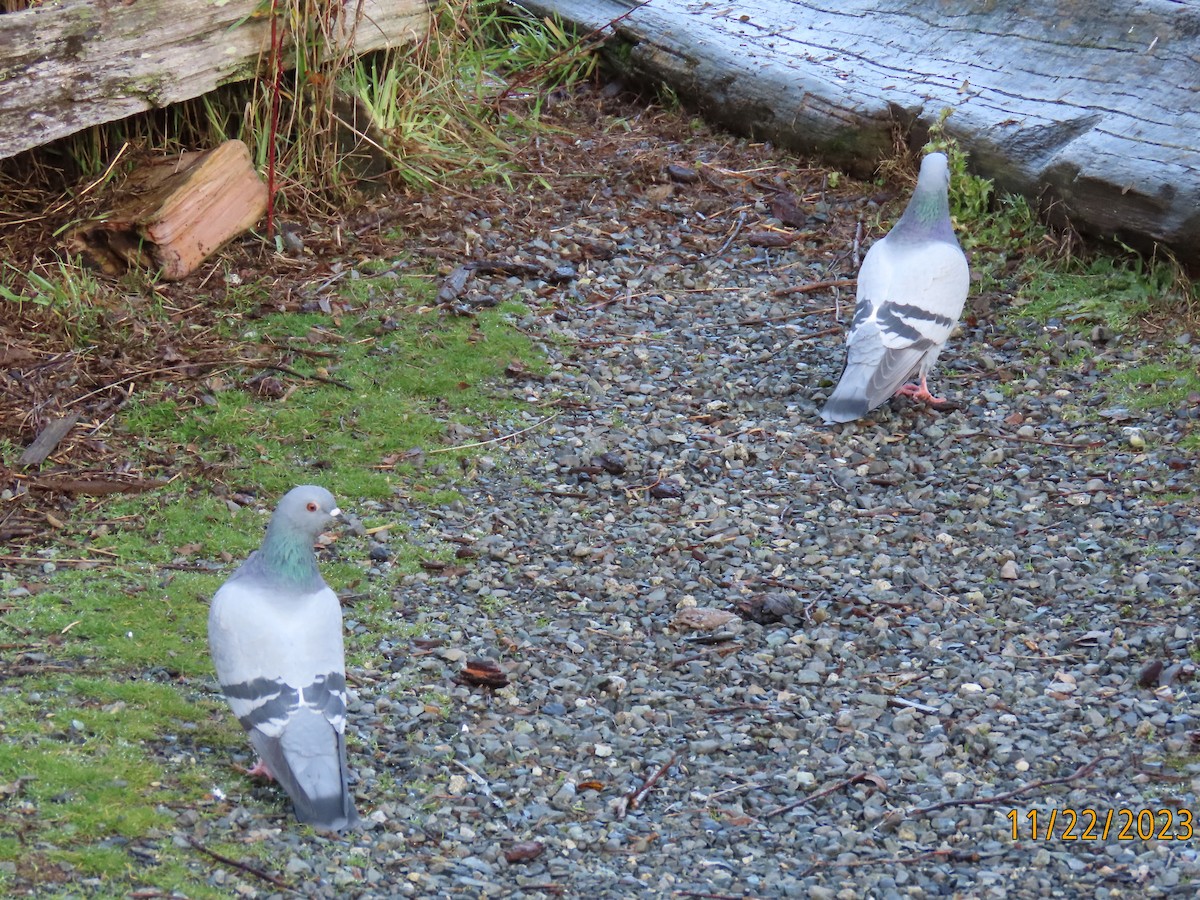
(849, 400)
(309, 761)
(873, 374)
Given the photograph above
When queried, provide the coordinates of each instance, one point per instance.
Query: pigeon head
(306, 510)
(928, 212)
(287, 551)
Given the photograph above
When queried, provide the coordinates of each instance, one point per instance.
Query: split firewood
(172, 214)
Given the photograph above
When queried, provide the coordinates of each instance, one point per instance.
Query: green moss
(1158, 385)
(100, 737)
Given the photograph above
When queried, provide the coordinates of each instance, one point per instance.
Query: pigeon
(911, 289)
(275, 636)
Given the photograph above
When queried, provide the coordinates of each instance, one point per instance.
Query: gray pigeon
(275, 635)
(911, 290)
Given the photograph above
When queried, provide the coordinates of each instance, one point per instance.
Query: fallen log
(1089, 109)
(68, 65)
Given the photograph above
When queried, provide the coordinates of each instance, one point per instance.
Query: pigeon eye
(312, 506)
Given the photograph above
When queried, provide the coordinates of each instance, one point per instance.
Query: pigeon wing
(910, 295)
(281, 664)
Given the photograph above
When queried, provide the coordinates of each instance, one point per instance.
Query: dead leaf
(682, 174)
(785, 206)
(769, 239)
(483, 672)
(610, 462)
(666, 490)
(1149, 675)
(524, 851)
(698, 618)
(658, 193)
(876, 780)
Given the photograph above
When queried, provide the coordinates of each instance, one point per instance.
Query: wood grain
(1091, 109)
(69, 65)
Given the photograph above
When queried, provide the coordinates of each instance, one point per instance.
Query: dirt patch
(137, 342)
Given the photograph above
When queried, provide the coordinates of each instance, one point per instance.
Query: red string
(276, 79)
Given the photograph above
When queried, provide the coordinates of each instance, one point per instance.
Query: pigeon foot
(921, 392)
(259, 770)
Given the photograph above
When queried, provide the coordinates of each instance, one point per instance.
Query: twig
(945, 853)
(257, 873)
(635, 797)
(481, 781)
(836, 329)
(766, 320)
(37, 561)
(788, 807)
(715, 896)
(496, 440)
(274, 367)
(1091, 445)
(1082, 772)
(913, 704)
(815, 286)
(96, 486)
(737, 228)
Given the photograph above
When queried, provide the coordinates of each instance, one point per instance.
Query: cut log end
(173, 214)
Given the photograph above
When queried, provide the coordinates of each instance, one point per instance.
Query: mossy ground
(109, 716)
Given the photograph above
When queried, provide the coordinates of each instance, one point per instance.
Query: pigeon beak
(334, 513)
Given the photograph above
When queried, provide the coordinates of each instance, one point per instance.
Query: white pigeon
(911, 289)
(275, 635)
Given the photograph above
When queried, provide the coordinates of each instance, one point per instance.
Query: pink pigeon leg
(920, 392)
(260, 770)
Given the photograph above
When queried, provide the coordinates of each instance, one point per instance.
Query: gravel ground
(942, 622)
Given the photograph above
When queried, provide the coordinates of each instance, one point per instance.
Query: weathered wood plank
(1092, 109)
(69, 65)
(48, 438)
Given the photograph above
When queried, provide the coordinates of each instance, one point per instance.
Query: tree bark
(1090, 109)
(69, 65)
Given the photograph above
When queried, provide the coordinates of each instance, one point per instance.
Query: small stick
(257, 873)
(1091, 445)
(913, 704)
(286, 371)
(788, 807)
(814, 286)
(737, 228)
(496, 440)
(946, 853)
(481, 781)
(836, 329)
(766, 320)
(635, 797)
(35, 561)
(1082, 772)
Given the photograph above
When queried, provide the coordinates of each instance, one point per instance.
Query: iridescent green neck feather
(286, 556)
